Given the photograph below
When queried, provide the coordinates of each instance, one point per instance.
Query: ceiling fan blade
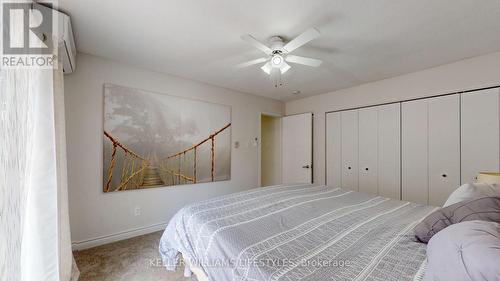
(256, 43)
(306, 36)
(303, 60)
(284, 67)
(252, 62)
(267, 68)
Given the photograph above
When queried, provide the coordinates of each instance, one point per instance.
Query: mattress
(298, 232)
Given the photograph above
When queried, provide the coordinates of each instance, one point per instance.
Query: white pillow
(470, 191)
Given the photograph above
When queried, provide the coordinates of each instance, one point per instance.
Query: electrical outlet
(137, 211)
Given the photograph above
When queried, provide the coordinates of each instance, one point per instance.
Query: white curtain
(34, 198)
(67, 265)
(34, 222)
(16, 125)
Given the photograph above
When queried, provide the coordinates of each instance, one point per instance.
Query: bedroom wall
(97, 217)
(469, 74)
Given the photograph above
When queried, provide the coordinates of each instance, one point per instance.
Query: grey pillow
(463, 252)
(484, 209)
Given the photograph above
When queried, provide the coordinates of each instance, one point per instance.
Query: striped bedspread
(299, 232)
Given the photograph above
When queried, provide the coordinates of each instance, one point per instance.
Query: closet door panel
(349, 129)
(480, 133)
(368, 150)
(414, 151)
(389, 148)
(333, 150)
(444, 147)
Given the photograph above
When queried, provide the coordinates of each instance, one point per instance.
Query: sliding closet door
(333, 150)
(368, 150)
(415, 178)
(480, 133)
(431, 149)
(389, 148)
(349, 132)
(444, 147)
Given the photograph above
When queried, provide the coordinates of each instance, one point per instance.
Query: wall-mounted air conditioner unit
(62, 36)
(67, 47)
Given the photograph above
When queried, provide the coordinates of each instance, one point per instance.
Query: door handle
(306, 167)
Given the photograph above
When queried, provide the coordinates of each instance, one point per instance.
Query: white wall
(469, 74)
(98, 217)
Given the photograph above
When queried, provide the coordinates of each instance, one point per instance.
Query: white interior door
(389, 151)
(414, 131)
(480, 133)
(349, 132)
(333, 150)
(297, 148)
(368, 150)
(444, 147)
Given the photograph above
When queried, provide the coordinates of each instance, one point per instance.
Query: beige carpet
(135, 259)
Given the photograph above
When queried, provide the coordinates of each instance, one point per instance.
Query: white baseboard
(97, 241)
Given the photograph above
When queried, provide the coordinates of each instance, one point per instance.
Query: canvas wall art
(153, 140)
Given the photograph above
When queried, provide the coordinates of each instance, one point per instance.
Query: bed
(297, 232)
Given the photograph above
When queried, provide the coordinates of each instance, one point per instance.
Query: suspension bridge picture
(154, 140)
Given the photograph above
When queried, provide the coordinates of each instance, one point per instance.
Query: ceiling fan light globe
(267, 68)
(284, 68)
(276, 60)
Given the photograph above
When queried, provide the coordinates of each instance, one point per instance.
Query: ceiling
(361, 40)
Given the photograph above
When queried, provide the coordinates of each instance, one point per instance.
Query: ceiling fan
(278, 54)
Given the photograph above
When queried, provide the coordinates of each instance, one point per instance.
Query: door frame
(259, 146)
